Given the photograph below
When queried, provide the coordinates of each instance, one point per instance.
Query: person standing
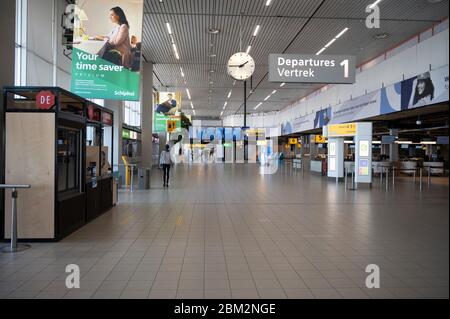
(166, 162)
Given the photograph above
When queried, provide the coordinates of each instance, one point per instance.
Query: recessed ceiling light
(373, 5)
(213, 30)
(381, 36)
(213, 55)
(211, 71)
(320, 51)
(341, 33)
(169, 28)
(330, 43)
(257, 107)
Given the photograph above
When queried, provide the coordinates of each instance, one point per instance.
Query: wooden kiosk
(46, 146)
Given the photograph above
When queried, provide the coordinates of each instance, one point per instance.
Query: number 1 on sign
(345, 65)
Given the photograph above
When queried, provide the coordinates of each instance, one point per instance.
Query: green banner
(95, 78)
(161, 120)
(107, 49)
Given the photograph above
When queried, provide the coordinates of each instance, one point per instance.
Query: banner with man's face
(107, 49)
(167, 112)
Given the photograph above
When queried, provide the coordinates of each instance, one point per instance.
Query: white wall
(43, 27)
(408, 60)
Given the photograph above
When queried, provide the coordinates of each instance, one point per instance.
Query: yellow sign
(293, 141)
(342, 130)
(320, 139)
(171, 126)
(254, 132)
(261, 143)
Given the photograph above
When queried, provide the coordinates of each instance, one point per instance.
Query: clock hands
(239, 66)
(242, 65)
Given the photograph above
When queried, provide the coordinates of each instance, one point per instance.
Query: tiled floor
(227, 232)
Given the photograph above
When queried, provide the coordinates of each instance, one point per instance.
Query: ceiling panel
(290, 26)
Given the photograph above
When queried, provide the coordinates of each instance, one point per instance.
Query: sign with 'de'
(45, 100)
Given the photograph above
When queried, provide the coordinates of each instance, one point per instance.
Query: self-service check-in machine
(362, 136)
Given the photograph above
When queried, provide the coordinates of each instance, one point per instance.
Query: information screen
(364, 148)
(363, 167)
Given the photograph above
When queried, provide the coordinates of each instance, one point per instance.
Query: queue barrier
(354, 185)
(14, 247)
(395, 171)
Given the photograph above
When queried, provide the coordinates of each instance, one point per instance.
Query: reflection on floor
(224, 231)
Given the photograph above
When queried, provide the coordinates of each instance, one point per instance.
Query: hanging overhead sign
(166, 112)
(336, 130)
(106, 56)
(292, 68)
(320, 139)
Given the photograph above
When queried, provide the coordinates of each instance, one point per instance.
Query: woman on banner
(424, 93)
(117, 48)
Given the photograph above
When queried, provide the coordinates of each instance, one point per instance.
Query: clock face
(241, 66)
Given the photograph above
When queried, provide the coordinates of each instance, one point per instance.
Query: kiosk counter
(47, 147)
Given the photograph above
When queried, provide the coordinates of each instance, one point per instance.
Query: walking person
(166, 162)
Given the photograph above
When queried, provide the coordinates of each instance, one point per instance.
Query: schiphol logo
(373, 20)
(73, 279)
(263, 153)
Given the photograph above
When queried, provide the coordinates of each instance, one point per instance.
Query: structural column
(117, 107)
(393, 148)
(7, 64)
(147, 114)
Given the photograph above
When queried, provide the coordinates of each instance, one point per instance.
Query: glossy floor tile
(224, 231)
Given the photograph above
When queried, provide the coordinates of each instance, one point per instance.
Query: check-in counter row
(408, 167)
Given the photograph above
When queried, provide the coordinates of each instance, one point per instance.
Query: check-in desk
(316, 166)
(436, 168)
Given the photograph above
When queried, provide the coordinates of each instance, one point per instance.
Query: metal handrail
(14, 247)
(14, 186)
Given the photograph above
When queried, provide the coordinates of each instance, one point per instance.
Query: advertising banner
(425, 89)
(167, 112)
(107, 49)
